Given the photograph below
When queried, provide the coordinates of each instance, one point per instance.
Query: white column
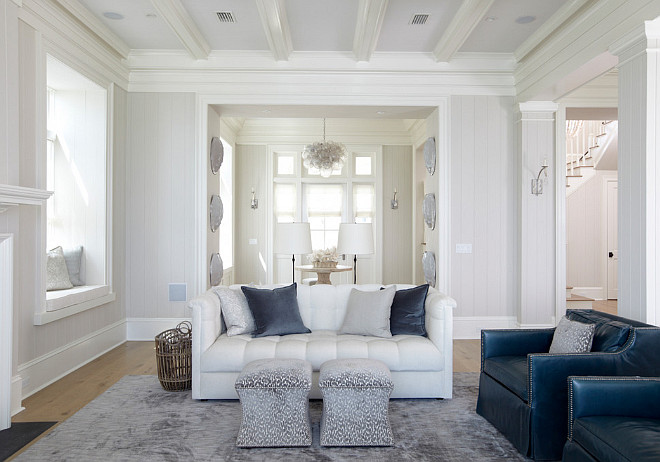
(535, 144)
(639, 171)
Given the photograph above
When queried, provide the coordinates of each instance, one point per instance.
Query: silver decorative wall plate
(217, 154)
(429, 155)
(428, 263)
(216, 270)
(216, 212)
(428, 208)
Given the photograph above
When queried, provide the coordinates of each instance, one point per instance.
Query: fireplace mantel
(11, 196)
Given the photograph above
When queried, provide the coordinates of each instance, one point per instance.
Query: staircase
(586, 143)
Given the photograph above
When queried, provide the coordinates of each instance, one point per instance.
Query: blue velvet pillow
(275, 311)
(407, 316)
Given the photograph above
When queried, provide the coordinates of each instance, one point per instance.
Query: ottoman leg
(356, 417)
(274, 417)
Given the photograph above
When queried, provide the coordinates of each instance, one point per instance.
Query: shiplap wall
(483, 206)
(250, 260)
(586, 234)
(397, 223)
(160, 202)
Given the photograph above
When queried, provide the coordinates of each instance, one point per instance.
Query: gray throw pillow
(572, 337)
(73, 259)
(57, 276)
(235, 311)
(368, 313)
(275, 311)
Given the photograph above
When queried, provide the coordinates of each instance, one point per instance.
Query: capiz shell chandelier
(324, 156)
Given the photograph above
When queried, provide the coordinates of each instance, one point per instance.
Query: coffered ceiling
(357, 28)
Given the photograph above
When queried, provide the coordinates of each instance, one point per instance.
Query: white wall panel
(397, 223)
(160, 201)
(483, 210)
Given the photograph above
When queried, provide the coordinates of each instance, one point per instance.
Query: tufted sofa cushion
(400, 353)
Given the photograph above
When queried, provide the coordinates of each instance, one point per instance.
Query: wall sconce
(537, 183)
(394, 203)
(254, 203)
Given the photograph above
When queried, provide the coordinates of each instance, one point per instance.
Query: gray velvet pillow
(73, 259)
(368, 313)
(276, 311)
(57, 276)
(572, 337)
(235, 311)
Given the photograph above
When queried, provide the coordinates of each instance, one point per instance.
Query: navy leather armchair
(523, 389)
(613, 419)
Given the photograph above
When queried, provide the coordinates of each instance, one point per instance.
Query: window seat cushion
(56, 300)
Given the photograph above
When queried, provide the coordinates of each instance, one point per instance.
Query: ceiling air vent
(419, 19)
(226, 16)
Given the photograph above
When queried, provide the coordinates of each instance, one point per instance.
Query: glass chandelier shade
(324, 156)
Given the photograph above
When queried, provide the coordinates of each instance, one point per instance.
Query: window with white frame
(363, 203)
(76, 172)
(323, 208)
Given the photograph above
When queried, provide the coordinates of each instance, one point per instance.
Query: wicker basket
(324, 264)
(174, 357)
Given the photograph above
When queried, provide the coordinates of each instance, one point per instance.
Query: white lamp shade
(355, 238)
(292, 238)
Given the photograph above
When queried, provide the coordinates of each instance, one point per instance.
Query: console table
(324, 273)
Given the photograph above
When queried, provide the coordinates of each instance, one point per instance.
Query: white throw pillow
(368, 313)
(235, 311)
(572, 337)
(57, 276)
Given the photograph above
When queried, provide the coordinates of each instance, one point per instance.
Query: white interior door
(612, 242)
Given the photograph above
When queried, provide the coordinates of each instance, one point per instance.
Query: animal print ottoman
(274, 397)
(356, 394)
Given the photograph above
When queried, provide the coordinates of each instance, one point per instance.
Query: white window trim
(44, 317)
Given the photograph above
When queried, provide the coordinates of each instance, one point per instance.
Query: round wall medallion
(216, 270)
(428, 263)
(429, 155)
(428, 208)
(217, 211)
(217, 154)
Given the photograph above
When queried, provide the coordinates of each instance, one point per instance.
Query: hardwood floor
(607, 306)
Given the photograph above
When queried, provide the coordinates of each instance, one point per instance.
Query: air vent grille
(419, 19)
(226, 16)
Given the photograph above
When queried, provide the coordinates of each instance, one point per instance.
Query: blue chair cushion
(610, 335)
(510, 371)
(616, 438)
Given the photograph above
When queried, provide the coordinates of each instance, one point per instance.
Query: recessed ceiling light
(151, 15)
(113, 15)
(381, 112)
(266, 111)
(525, 19)
(490, 18)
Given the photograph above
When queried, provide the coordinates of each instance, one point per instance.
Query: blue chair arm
(613, 396)
(507, 342)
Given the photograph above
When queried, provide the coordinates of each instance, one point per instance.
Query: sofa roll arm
(207, 323)
(439, 318)
(518, 342)
(613, 396)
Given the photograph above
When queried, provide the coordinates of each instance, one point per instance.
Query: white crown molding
(582, 38)
(465, 20)
(276, 27)
(16, 195)
(183, 26)
(87, 18)
(551, 26)
(371, 14)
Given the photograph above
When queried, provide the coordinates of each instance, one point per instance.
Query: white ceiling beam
(183, 26)
(86, 17)
(276, 27)
(367, 30)
(465, 20)
(551, 26)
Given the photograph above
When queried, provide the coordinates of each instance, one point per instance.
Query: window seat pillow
(56, 300)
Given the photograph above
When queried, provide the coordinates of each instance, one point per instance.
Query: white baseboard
(47, 369)
(16, 395)
(469, 327)
(145, 329)
(597, 293)
(537, 326)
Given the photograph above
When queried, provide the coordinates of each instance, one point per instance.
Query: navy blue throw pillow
(408, 316)
(275, 311)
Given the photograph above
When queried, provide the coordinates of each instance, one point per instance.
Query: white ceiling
(322, 25)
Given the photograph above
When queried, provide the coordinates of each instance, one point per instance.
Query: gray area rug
(137, 420)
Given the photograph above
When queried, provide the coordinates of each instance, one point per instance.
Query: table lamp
(293, 238)
(356, 239)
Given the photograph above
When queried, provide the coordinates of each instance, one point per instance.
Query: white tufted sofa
(421, 366)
